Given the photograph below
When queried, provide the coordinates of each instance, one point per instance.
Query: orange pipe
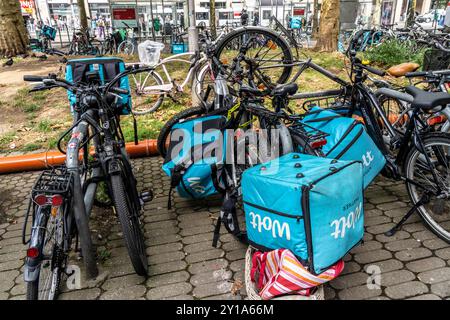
(49, 159)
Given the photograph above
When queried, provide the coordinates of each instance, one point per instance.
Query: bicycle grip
(416, 74)
(33, 78)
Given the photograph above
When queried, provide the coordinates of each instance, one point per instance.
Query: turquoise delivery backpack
(347, 140)
(48, 32)
(195, 157)
(310, 205)
(108, 68)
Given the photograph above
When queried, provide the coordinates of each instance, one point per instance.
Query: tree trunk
(83, 16)
(13, 34)
(411, 13)
(212, 18)
(376, 13)
(315, 20)
(328, 26)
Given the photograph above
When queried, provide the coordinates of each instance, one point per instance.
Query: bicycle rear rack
(50, 182)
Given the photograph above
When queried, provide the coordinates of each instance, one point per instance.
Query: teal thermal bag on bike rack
(195, 157)
(312, 206)
(108, 68)
(48, 32)
(347, 140)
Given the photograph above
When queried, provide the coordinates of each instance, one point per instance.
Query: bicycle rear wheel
(268, 55)
(126, 47)
(46, 285)
(148, 97)
(436, 213)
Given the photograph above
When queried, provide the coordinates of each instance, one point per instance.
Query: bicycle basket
(435, 59)
(149, 52)
(108, 68)
(48, 32)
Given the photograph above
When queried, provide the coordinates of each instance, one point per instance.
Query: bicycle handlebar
(378, 72)
(32, 78)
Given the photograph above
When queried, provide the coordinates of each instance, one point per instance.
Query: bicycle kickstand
(423, 200)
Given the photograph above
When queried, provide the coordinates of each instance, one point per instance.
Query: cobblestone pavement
(183, 265)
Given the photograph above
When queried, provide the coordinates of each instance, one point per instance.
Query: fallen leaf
(237, 286)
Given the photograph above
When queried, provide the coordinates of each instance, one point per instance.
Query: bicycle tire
(131, 229)
(227, 41)
(165, 130)
(123, 46)
(158, 79)
(428, 139)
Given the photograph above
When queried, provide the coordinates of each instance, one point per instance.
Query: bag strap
(324, 119)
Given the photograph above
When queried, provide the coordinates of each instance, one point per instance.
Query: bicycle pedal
(146, 196)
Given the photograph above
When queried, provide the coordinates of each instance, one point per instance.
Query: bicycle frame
(168, 87)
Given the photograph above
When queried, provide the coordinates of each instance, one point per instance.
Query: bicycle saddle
(402, 69)
(286, 89)
(427, 100)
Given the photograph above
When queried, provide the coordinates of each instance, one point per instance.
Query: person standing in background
(101, 28)
(244, 17)
(256, 19)
(181, 20)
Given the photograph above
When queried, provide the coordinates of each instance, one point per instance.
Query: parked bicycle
(63, 198)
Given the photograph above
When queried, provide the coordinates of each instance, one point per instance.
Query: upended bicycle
(62, 198)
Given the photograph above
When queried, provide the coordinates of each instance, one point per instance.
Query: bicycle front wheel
(434, 178)
(267, 54)
(126, 47)
(148, 96)
(128, 215)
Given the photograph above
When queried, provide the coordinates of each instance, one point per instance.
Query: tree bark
(83, 16)
(13, 33)
(212, 18)
(328, 26)
(411, 13)
(315, 20)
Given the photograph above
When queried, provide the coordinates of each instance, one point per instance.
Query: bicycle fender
(31, 273)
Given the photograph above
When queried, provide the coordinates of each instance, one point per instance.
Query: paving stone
(443, 253)
(121, 270)
(372, 213)
(210, 265)
(358, 293)
(413, 254)
(425, 264)
(212, 276)
(383, 199)
(349, 280)
(170, 290)
(166, 257)
(19, 289)
(442, 289)
(367, 246)
(350, 267)
(399, 235)
(396, 277)
(3, 296)
(211, 289)
(21, 297)
(197, 230)
(402, 245)
(11, 265)
(86, 294)
(386, 265)
(330, 293)
(121, 282)
(229, 246)
(424, 235)
(181, 297)
(204, 256)
(414, 227)
(405, 290)
(125, 293)
(392, 205)
(164, 248)
(426, 297)
(373, 221)
(203, 237)
(168, 278)
(381, 228)
(434, 244)
(166, 267)
(434, 276)
(372, 256)
(153, 240)
(238, 265)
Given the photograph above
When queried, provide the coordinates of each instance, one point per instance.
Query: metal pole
(192, 30)
(152, 22)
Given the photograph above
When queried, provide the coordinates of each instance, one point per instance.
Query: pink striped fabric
(278, 272)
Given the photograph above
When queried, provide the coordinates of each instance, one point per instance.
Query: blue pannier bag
(312, 206)
(108, 68)
(48, 32)
(195, 157)
(347, 140)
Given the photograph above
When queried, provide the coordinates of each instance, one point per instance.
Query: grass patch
(6, 139)
(392, 52)
(31, 147)
(45, 125)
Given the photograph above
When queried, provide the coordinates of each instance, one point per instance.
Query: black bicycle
(96, 132)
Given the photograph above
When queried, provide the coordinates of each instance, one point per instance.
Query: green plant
(6, 139)
(392, 52)
(31, 147)
(45, 125)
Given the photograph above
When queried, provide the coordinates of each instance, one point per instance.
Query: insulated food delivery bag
(312, 206)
